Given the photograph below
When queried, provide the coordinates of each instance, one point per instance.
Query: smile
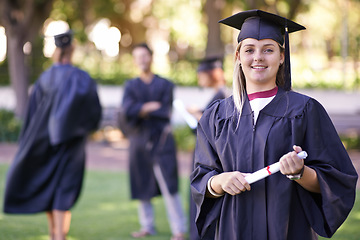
(258, 67)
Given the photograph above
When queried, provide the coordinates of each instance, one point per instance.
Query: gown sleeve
(166, 103)
(34, 99)
(336, 174)
(207, 164)
(130, 105)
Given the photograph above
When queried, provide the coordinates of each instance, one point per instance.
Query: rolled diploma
(189, 119)
(267, 171)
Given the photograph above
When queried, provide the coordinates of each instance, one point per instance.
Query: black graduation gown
(276, 208)
(48, 168)
(150, 139)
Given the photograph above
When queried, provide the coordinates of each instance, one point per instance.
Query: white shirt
(259, 100)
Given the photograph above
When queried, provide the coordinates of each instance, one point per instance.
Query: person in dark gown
(262, 123)
(210, 74)
(47, 172)
(147, 107)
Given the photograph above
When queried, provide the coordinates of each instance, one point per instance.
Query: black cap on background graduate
(210, 63)
(259, 25)
(64, 39)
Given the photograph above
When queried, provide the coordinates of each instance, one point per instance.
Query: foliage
(184, 138)
(319, 49)
(351, 142)
(4, 76)
(9, 126)
(183, 73)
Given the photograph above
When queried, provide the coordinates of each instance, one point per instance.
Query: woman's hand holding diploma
(290, 164)
(236, 182)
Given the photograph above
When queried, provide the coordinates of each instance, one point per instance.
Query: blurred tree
(286, 8)
(214, 10)
(22, 20)
(213, 13)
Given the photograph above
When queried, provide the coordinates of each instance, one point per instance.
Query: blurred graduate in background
(47, 172)
(210, 74)
(146, 113)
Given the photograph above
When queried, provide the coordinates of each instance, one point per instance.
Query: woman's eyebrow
(265, 45)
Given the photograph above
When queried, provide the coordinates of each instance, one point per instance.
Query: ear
(237, 56)
(282, 58)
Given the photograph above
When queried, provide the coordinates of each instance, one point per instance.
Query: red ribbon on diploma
(268, 170)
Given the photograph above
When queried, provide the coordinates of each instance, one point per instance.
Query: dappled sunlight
(356, 215)
(46, 237)
(42, 237)
(106, 37)
(2, 44)
(52, 28)
(108, 206)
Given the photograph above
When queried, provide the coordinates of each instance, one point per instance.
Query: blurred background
(325, 65)
(181, 32)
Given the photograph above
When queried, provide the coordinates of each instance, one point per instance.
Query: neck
(147, 77)
(257, 88)
(263, 94)
(218, 85)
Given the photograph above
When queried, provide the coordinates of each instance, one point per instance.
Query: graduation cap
(64, 39)
(209, 64)
(259, 25)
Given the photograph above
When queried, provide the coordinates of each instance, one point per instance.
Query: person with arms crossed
(147, 106)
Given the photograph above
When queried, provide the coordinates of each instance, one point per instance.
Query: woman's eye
(249, 50)
(269, 50)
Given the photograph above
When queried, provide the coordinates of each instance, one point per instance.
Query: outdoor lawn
(105, 212)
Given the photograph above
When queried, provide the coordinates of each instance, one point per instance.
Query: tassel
(287, 85)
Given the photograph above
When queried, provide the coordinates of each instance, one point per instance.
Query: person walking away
(47, 172)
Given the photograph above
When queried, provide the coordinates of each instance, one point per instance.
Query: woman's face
(260, 61)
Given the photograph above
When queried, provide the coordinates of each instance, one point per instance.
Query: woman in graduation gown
(264, 122)
(47, 172)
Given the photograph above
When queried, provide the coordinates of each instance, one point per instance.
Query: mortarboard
(209, 64)
(64, 39)
(259, 25)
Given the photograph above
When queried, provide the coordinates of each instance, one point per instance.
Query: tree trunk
(214, 47)
(18, 73)
(22, 21)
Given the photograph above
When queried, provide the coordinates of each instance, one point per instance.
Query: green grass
(105, 212)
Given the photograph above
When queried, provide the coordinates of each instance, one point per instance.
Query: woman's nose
(258, 56)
